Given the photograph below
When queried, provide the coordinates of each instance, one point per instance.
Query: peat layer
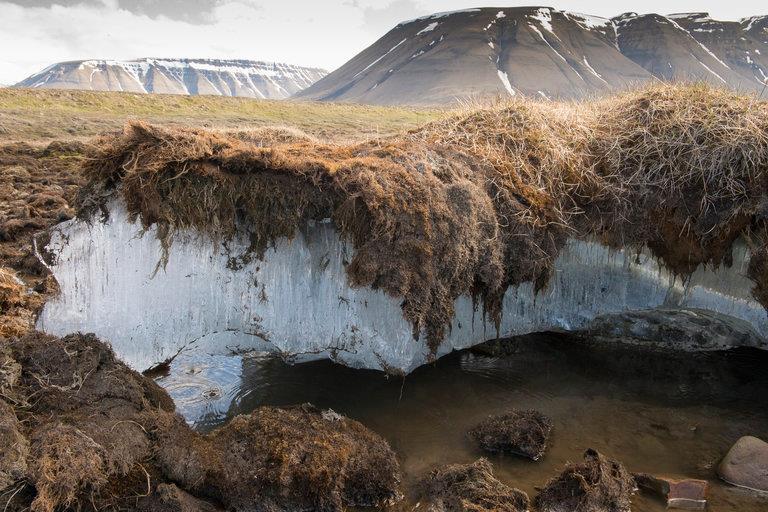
(38, 185)
(476, 202)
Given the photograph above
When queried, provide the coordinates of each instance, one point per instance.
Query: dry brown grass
(81, 431)
(473, 203)
(520, 432)
(598, 484)
(293, 458)
(470, 488)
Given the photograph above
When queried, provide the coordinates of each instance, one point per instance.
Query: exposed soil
(37, 187)
(518, 432)
(470, 488)
(83, 431)
(598, 484)
(474, 203)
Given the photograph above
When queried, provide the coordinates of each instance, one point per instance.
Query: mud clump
(596, 485)
(294, 458)
(519, 432)
(470, 488)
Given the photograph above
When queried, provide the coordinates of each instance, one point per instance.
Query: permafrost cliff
(530, 216)
(297, 300)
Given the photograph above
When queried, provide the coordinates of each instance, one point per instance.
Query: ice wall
(297, 299)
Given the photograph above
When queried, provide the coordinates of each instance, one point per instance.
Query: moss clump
(596, 485)
(84, 432)
(519, 432)
(470, 488)
(296, 458)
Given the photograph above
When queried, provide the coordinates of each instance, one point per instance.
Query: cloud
(192, 11)
(272, 30)
(381, 19)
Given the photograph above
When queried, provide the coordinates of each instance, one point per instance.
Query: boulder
(688, 494)
(746, 464)
(519, 432)
(684, 329)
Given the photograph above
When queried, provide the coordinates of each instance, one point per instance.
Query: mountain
(540, 51)
(178, 76)
(692, 46)
(742, 45)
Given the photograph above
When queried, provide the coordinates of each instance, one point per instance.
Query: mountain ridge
(541, 51)
(222, 77)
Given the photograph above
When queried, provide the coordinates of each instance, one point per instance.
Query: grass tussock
(79, 430)
(470, 488)
(598, 484)
(476, 202)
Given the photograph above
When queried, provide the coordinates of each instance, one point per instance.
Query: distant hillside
(540, 51)
(693, 46)
(178, 76)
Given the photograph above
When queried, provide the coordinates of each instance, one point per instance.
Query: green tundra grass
(44, 115)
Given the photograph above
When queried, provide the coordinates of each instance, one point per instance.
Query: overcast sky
(322, 33)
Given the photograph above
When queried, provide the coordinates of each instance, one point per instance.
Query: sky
(318, 33)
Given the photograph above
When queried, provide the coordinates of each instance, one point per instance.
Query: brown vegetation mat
(520, 432)
(470, 488)
(37, 187)
(477, 202)
(596, 485)
(81, 430)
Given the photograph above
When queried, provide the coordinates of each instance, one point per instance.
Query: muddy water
(663, 413)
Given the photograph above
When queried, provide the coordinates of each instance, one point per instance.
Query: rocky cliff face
(543, 52)
(179, 76)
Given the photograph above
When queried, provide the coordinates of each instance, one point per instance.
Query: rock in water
(688, 494)
(672, 328)
(746, 464)
(470, 487)
(520, 432)
(596, 485)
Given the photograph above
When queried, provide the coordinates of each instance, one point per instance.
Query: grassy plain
(43, 115)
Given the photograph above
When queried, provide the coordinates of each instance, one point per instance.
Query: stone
(687, 494)
(687, 329)
(746, 464)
